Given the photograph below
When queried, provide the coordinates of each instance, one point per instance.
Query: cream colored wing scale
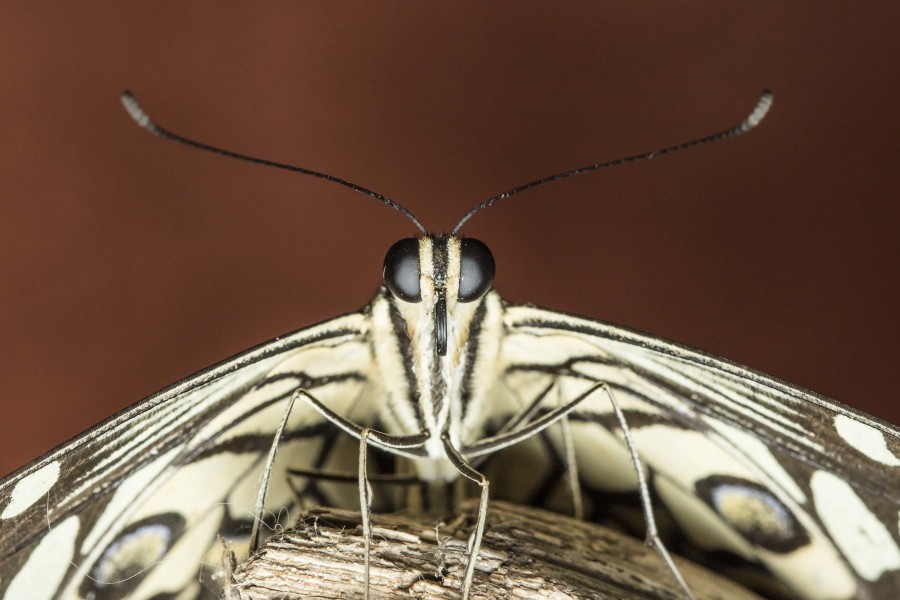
(135, 507)
(747, 466)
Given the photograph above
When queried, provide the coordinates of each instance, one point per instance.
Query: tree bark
(526, 553)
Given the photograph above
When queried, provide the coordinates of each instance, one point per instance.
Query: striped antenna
(145, 122)
(762, 107)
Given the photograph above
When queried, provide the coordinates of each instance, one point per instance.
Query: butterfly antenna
(762, 107)
(144, 121)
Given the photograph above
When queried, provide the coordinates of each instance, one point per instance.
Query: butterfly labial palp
(793, 492)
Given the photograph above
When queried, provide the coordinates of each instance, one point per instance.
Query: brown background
(127, 263)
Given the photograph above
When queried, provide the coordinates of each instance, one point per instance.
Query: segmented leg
(365, 507)
(403, 445)
(267, 476)
(571, 468)
(652, 536)
(475, 541)
(527, 428)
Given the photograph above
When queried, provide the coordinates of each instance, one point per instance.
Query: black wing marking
(722, 441)
(168, 476)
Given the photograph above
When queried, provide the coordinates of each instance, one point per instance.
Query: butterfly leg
(652, 535)
(571, 468)
(403, 445)
(267, 476)
(411, 446)
(475, 542)
(365, 506)
(526, 415)
(527, 429)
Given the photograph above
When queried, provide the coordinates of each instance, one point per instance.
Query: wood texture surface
(527, 553)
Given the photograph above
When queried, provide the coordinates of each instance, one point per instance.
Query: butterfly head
(439, 273)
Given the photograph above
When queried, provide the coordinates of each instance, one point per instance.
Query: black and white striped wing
(746, 465)
(137, 506)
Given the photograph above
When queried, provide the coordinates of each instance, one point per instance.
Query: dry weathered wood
(526, 553)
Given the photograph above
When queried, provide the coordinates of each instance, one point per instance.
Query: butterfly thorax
(437, 354)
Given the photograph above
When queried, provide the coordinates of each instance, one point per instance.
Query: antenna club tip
(760, 112)
(136, 113)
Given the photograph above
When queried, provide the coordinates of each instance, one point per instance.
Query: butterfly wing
(137, 506)
(746, 465)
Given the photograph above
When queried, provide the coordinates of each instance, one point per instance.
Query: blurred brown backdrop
(127, 263)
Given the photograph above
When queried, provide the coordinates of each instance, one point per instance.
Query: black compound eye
(401, 270)
(476, 271)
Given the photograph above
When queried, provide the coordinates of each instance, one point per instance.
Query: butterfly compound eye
(476, 270)
(401, 270)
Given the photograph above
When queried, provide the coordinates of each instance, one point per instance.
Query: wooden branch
(526, 553)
